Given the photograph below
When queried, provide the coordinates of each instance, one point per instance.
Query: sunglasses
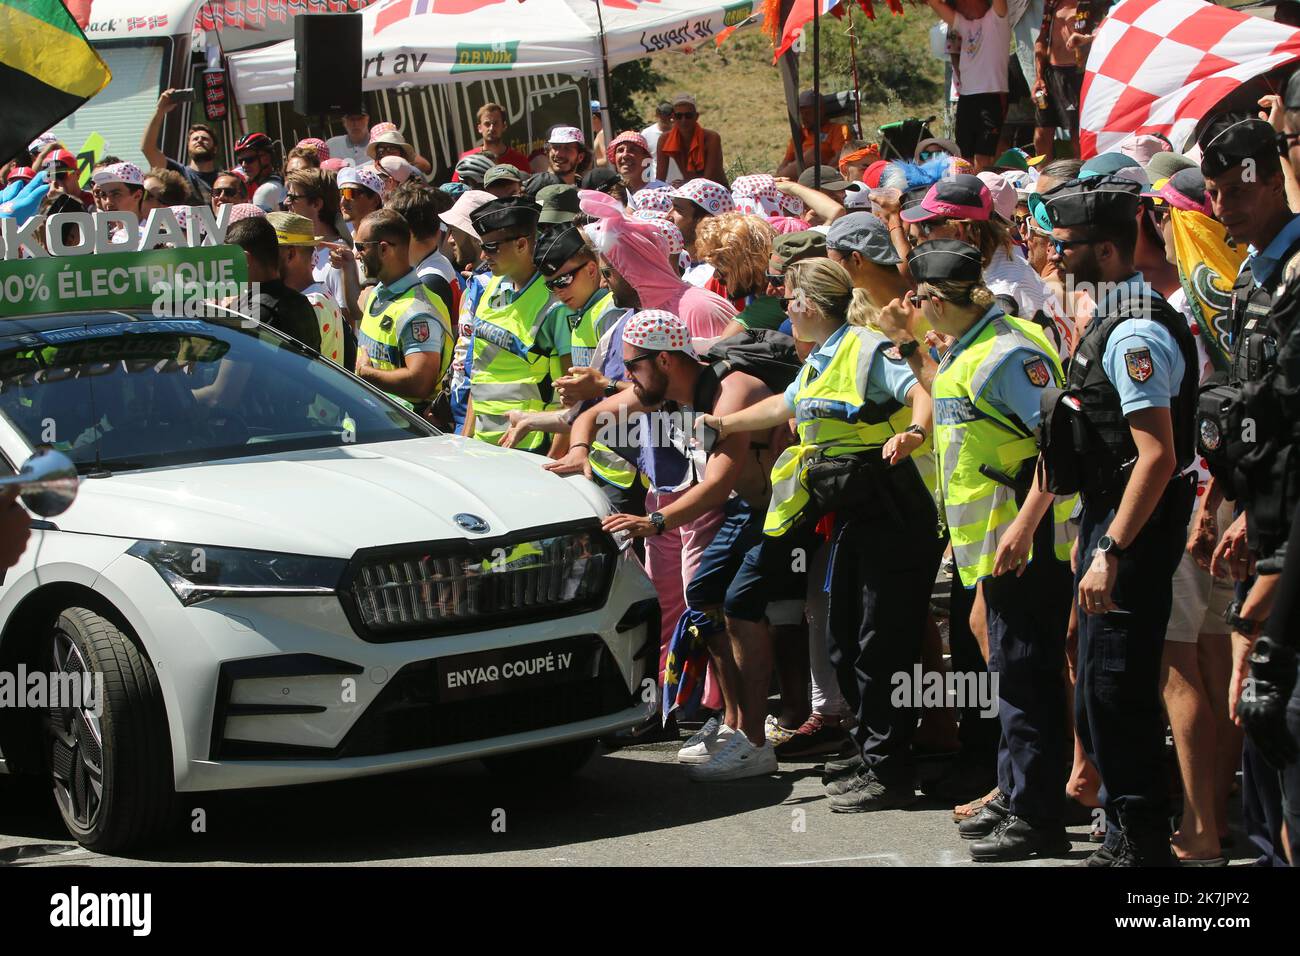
(930, 225)
(682, 116)
(356, 192)
(226, 192)
(563, 280)
(916, 298)
(628, 363)
(1062, 244)
(1284, 141)
(292, 197)
(776, 280)
(247, 158)
(606, 271)
(495, 244)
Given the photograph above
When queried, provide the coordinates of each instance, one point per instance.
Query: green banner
(485, 56)
(159, 280)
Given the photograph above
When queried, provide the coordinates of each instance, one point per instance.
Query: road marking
(893, 857)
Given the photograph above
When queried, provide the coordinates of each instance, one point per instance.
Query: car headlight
(199, 572)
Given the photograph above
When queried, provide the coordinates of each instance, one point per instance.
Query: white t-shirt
(652, 134)
(1013, 275)
(340, 148)
(698, 274)
(985, 53)
(330, 320)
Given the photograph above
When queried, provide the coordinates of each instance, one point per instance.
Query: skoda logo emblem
(472, 523)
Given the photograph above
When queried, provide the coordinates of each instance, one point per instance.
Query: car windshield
(123, 393)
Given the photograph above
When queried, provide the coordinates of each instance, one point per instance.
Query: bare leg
(1044, 137)
(1084, 784)
(751, 645)
(1188, 707)
(790, 647)
(938, 730)
(1215, 656)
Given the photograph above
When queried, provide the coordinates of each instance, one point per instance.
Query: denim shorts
(741, 529)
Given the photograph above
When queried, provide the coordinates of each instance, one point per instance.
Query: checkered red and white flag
(1158, 66)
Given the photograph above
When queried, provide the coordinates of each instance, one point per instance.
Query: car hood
(332, 501)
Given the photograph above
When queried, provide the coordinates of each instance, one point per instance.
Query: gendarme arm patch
(1138, 364)
(1037, 372)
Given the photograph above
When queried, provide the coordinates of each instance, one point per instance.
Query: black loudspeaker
(327, 77)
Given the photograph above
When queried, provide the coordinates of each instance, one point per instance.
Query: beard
(202, 155)
(653, 392)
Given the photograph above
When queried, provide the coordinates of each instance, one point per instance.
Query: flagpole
(817, 95)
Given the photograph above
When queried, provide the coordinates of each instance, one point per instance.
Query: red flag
(1159, 66)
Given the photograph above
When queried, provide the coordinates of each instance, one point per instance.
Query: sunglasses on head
(681, 116)
(563, 280)
(495, 244)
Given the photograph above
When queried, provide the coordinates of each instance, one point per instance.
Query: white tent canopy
(496, 39)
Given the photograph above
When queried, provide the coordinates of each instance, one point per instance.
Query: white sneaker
(711, 738)
(738, 758)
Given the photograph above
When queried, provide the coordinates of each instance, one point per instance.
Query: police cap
(515, 212)
(945, 260)
(556, 247)
(1098, 201)
(1225, 145)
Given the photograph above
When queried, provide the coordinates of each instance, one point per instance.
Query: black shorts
(979, 123)
(1063, 85)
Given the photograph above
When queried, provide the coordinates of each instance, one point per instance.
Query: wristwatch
(908, 349)
(657, 519)
(1110, 547)
(611, 389)
(1241, 624)
(918, 430)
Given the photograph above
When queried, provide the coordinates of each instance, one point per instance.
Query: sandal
(968, 810)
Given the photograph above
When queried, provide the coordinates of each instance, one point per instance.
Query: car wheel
(543, 763)
(109, 756)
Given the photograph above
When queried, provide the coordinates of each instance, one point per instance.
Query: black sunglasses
(916, 298)
(628, 363)
(776, 280)
(564, 279)
(225, 191)
(495, 244)
(681, 116)
(1284, 141)
(606, 271)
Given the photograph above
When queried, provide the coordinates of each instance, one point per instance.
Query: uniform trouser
(979, 736)
(882, 573)
(1118, 711)
(1027, 620)
(1284, 626)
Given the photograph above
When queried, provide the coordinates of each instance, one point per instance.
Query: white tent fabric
(405, 47)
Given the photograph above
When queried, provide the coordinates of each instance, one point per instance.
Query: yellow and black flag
(47, 70)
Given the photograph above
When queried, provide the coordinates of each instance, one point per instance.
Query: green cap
(559, 203)
(793, 246)
(1012, 159)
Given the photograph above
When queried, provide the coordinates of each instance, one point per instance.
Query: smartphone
(184, 91)
(706, 436)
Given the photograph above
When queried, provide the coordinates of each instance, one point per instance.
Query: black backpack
(766, 354)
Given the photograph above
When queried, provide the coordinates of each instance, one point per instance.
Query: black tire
(555, 762)
(129, 802)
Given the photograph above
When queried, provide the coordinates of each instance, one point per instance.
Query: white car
(285, 577)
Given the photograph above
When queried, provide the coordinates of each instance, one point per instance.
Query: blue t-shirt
(1011, 389)
(890, 378)
(1142, 359)
(1265, 263)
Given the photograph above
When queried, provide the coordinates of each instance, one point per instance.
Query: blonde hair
(830, 287)
(973, 294)
(739, 246)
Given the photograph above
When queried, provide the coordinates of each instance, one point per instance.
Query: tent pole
(606, 85)
(817, 95)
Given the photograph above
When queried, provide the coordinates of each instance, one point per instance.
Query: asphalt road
(634, 807)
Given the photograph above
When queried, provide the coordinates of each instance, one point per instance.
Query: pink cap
(335, 163)
(319, 146)
(464, 207)
(1003, 193)
(1141, 147)
(246, 210)
(627, 136)
(380, 129)
(962, 197)
(567, 134)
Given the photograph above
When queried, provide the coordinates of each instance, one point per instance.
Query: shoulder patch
(893, 354)
(420, 330)
(1037, 372)
(1138, 364)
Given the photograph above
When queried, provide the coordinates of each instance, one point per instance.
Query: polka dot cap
(653, 200)
(671, 235)
(708, 195)
(658, 331)
(649, 215)
(319, 145)
(757, 194)
(792, 206)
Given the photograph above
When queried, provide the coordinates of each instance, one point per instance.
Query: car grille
(421, 590)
